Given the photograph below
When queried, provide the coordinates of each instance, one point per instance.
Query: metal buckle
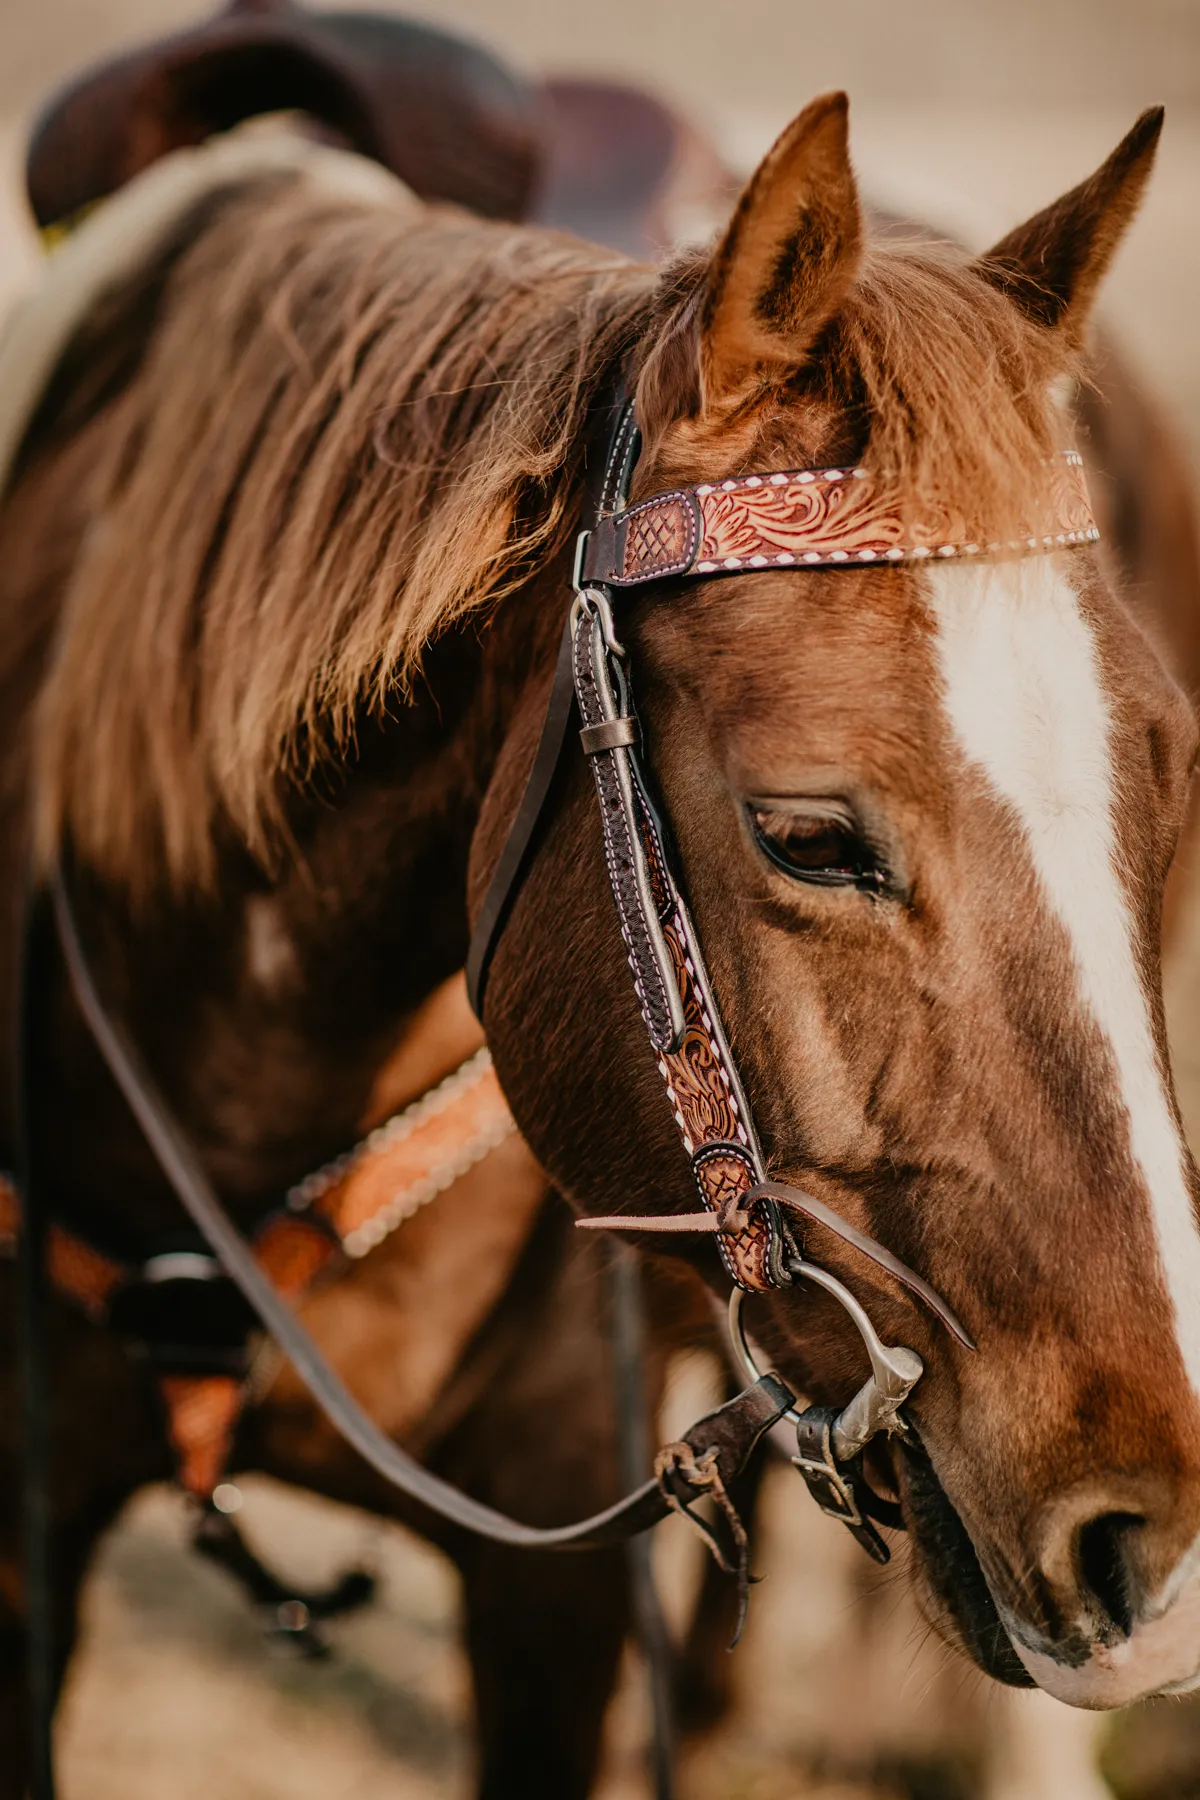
(595, 604)
(815, 1460)
(834, 1491)
(830, 1442)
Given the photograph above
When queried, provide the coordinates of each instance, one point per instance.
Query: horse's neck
(272, 1015)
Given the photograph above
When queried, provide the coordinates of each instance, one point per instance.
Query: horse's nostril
(1104, 1568)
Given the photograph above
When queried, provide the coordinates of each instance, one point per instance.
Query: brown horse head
(924, 816)
(923, 812)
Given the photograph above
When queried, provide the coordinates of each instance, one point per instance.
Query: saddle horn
(440, 112)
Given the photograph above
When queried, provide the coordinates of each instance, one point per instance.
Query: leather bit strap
(814, 518)
(630, 840)
(669, 975)
(836, 1488)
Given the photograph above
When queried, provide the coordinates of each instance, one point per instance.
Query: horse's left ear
(787, 260)
(1052, 265)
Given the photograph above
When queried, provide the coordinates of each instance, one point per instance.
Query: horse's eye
(819, 844)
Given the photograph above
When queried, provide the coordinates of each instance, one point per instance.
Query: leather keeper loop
(610, 734)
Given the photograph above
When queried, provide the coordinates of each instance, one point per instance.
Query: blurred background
(967, 116)
(970, 115)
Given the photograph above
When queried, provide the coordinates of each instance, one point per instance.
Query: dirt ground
(971, 116)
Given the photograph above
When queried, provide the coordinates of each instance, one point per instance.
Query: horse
(285, 555)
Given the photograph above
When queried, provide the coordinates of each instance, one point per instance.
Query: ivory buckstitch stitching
(609, 492)
(689, 510)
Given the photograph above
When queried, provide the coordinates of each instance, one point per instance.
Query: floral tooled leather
(700, 1087)
(697, 1081)
(822, 518)
(835, 516)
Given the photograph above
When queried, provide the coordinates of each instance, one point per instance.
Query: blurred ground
(218, 1710)
(970, 116)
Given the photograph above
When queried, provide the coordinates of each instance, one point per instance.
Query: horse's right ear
(441, 113)
(1051, 266)
(787, 260)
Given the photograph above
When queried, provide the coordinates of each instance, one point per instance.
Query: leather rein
(809, 518)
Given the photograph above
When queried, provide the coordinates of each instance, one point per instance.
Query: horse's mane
(350, 431)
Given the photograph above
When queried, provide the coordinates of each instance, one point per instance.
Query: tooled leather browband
(815, 518)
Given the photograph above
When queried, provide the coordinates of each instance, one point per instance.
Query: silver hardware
(741, 1346)
(581, 544)
(591, 601)
(833, 1491)
(895, 1370)
(180, 1265)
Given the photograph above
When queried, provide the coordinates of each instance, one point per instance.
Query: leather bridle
(805, 519)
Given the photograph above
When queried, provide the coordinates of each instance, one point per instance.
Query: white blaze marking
(1024, 695)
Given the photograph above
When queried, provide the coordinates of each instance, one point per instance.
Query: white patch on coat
(270, 952)
(1025, 696)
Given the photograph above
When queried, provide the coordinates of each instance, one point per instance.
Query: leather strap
(781, 1193)
(611, 734)
(632, 838)
(676, 998)
(42, 1657)
(339, 1212)
(813, 518)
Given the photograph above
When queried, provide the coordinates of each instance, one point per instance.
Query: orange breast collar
(330, 1219)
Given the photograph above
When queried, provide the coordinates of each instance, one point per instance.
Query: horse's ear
(1052, 265)
(788, 257)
